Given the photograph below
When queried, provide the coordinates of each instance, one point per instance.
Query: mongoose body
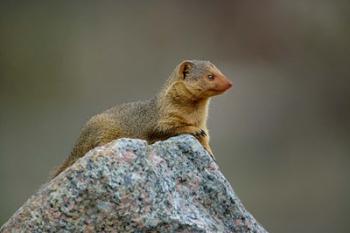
(181, 107)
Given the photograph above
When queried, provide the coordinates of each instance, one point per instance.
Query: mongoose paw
(199, 134)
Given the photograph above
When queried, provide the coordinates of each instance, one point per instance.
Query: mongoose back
(181, 107)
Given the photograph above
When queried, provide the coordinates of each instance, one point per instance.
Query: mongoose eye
(211, 77)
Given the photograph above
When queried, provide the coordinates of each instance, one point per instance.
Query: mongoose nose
(229, 84)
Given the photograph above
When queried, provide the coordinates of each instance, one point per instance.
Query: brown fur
(180, 108)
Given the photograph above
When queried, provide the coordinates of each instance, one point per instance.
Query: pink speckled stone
(129, 186)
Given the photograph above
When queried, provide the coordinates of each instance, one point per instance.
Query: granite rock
(130, 186)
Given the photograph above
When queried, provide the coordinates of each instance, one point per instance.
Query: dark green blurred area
(281, 135)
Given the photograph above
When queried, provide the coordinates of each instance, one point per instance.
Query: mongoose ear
(184, 69)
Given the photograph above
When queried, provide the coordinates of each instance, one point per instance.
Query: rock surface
(129, 186)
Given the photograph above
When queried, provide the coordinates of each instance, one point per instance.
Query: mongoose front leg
(203, 138)
(171, 130)
(198, 133)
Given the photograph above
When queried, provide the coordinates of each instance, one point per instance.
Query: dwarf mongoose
(181, 107)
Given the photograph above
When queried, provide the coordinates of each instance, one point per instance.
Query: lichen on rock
(130, 186)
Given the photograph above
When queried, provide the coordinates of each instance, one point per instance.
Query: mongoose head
(202, 78)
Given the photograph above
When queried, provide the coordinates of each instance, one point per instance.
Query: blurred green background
(281, 135)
